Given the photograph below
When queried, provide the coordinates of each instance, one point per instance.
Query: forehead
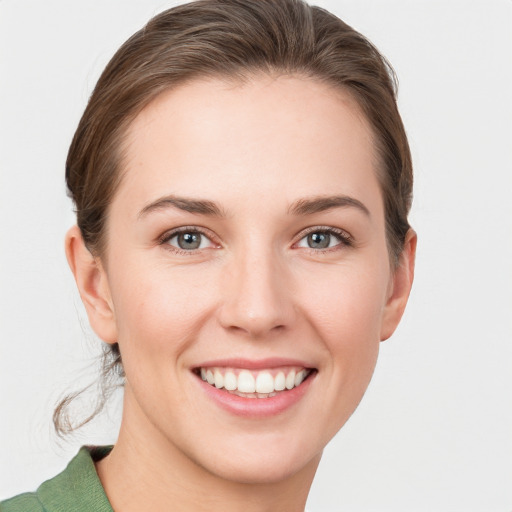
(289, 134)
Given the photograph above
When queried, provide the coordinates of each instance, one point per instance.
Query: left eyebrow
(198, 206)
(317, 204)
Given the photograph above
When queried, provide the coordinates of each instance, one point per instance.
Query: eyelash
(169, 235)
(344, 238)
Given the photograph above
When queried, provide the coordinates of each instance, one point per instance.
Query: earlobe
(401, 284)
(91, 280)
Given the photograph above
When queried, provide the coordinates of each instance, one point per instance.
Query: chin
(264, 470)
(265, 459)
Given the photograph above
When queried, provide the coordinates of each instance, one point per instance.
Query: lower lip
(256, 407)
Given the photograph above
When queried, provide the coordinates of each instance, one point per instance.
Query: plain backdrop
(434, 431)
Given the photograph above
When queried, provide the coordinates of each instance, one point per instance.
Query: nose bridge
(256, 300)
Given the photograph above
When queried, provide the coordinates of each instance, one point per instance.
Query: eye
(324, 239)
(187, 240)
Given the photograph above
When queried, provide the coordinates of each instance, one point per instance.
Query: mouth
(262, 384)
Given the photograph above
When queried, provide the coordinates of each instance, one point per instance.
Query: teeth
(300, 377)
(290, 380)
(230, 381)
(264, 383)
(246, 382)
(219, 379)
(280, 382)
(255, 384)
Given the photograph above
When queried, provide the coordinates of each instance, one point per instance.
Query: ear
(400, 287)
(92, 282)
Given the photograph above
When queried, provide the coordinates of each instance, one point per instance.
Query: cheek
(348, 314)
(157, 310)
(351, 300)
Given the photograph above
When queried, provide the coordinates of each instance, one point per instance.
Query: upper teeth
(246, 381)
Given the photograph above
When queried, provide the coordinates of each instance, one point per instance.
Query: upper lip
(254, 364)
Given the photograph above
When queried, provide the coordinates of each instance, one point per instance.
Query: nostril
(256, 329)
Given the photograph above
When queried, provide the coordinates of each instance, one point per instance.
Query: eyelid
(171, 233)
(346, 239)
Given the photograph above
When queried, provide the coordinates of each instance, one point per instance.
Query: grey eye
(189, 241)
(324, 238)
(319, 240)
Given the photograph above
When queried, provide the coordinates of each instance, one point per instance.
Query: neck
(147, 471)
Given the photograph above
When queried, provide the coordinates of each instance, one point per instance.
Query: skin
(254, 290)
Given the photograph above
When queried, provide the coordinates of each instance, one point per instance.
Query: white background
(434, 432)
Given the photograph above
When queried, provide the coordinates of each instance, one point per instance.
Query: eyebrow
(309, 206)
(198, 206)
(305, 206)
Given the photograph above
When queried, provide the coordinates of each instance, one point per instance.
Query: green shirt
(76, 489)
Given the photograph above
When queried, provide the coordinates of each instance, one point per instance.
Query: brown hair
(232, 39)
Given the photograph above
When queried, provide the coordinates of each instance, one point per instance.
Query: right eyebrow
(198, 206)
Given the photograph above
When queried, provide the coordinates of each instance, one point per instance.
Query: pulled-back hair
(233, 39)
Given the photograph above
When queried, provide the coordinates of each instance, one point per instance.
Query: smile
(254, 384)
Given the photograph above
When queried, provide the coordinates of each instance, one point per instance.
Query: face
(247, 273)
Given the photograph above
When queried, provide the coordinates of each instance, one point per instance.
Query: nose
(257, 295)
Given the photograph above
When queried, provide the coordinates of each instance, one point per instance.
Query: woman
(242, 181)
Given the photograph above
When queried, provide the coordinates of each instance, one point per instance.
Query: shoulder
(77, 488)
(27, 502)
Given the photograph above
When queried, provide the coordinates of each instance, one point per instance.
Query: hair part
(232, 39)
